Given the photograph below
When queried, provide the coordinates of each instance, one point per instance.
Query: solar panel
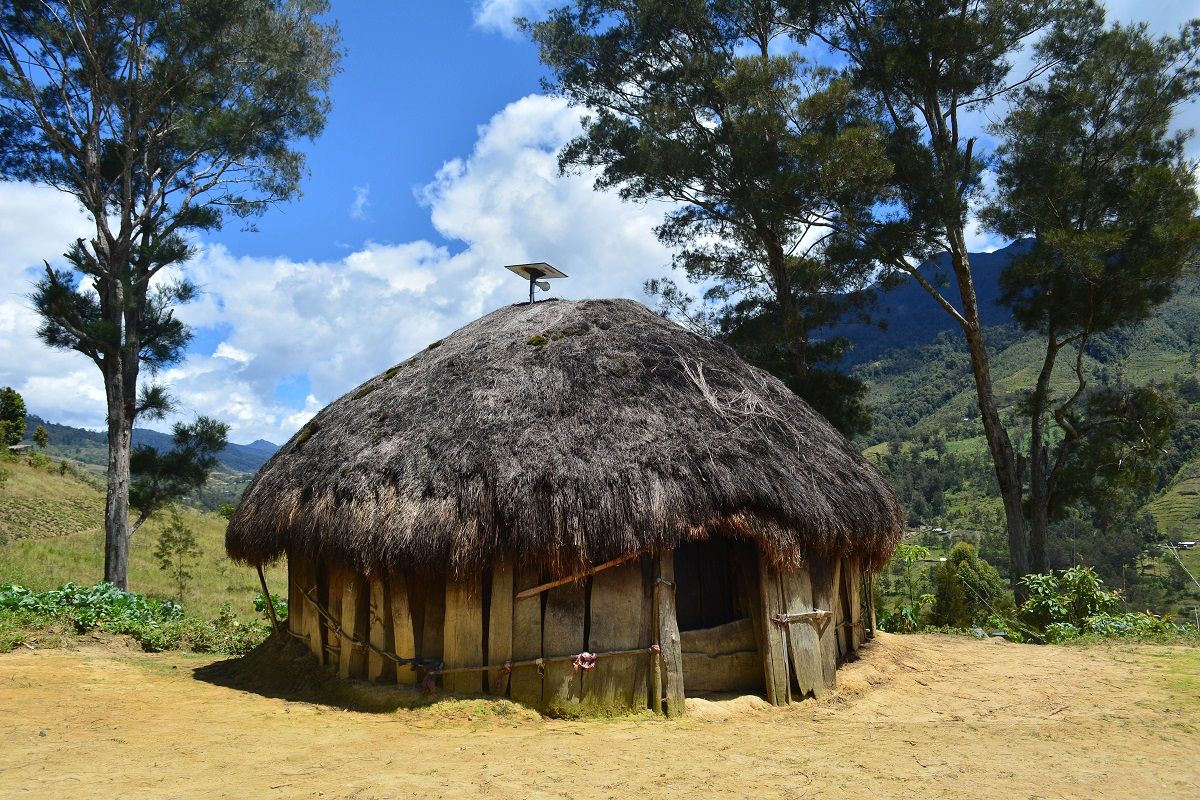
(534, 273)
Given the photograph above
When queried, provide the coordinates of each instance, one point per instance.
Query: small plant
(177, 552)
(41, 437)
(226, 510)
(280, 604)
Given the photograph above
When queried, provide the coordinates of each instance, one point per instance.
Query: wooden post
(562, 635)
(804, 646)
(380, 669)
(463, 641)
(617, 616)
(350, 660)
(525, 683)
(775, 659)
(500, 625)
(403, 637)
(667, 628)
(821, 572)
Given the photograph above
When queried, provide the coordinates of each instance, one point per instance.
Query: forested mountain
(90, 447)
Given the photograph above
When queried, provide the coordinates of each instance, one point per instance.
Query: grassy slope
(52, 530)
(1160, 349)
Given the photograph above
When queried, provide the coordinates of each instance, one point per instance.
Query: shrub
(966, 589)
(155, 624)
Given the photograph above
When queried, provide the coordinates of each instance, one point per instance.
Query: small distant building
(578, 505)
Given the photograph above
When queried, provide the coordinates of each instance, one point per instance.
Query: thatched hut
(575, 504)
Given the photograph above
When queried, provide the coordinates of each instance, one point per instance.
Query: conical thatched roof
(565, 433)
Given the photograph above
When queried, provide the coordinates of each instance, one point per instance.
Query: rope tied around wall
(433, 668)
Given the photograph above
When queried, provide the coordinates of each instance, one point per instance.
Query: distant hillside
(907, 316)
(91, 447)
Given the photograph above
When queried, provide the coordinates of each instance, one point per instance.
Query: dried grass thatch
(565, 433)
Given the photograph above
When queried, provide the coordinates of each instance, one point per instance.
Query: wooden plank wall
(824, 598)
(403, 636)
(773, 644)
(379, 668)
(463, 640)
(804, 646)
(563, 635)
(667, 628)
(525, 683)
(500, 626)
(619, 621)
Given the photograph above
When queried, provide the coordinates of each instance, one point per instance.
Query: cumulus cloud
(498, 15)
(287, 336)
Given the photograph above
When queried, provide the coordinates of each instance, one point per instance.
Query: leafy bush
(967, 589)
(1074, 603)
(155, 624)
(280, 603)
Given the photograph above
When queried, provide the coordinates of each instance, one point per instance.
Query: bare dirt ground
(916, 717)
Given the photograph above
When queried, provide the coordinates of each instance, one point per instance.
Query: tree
(1090, 172)
(41, 437)
(12, 417)
(176, 552)
(929, 66)
(161, 117)
(700, 103)
(160, 479)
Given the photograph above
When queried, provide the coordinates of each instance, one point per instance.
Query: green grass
(63, 540)
(40, 503)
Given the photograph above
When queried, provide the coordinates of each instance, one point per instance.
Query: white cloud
(498, 15)
(297, 334)
(361, 202)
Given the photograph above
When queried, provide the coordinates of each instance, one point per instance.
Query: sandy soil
(917, 716)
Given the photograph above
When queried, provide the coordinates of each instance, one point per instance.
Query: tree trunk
(116, 505)
(1008, 475)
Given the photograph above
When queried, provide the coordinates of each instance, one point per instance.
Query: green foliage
(905, 617)
(766, 157)
(280, 604)
(41, 437)
(155, 624)
(177, 552)
(967, 589)
(12, 417)
(226, 510)
(159, 479)
(160, 118)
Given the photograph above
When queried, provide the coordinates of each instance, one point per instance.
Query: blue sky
(437, 167)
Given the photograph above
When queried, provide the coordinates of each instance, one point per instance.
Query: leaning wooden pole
(671, 651)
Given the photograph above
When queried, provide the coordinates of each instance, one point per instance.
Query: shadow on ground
(282, 668)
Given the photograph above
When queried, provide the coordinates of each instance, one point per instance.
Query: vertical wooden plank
(379, 668)
(562, 635)
(500, 625)
(462, 645)
(821, 572)
(617, 610)
(351, 662)
(804, 646)
(775, 660)
(432, 631)
(746, 567)
(404, 641)
(525, 683)
(667, 628)
(296, 605)
(839, 607)
(335, 583)
(302, 575)
(871, 624)
(854, 595)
